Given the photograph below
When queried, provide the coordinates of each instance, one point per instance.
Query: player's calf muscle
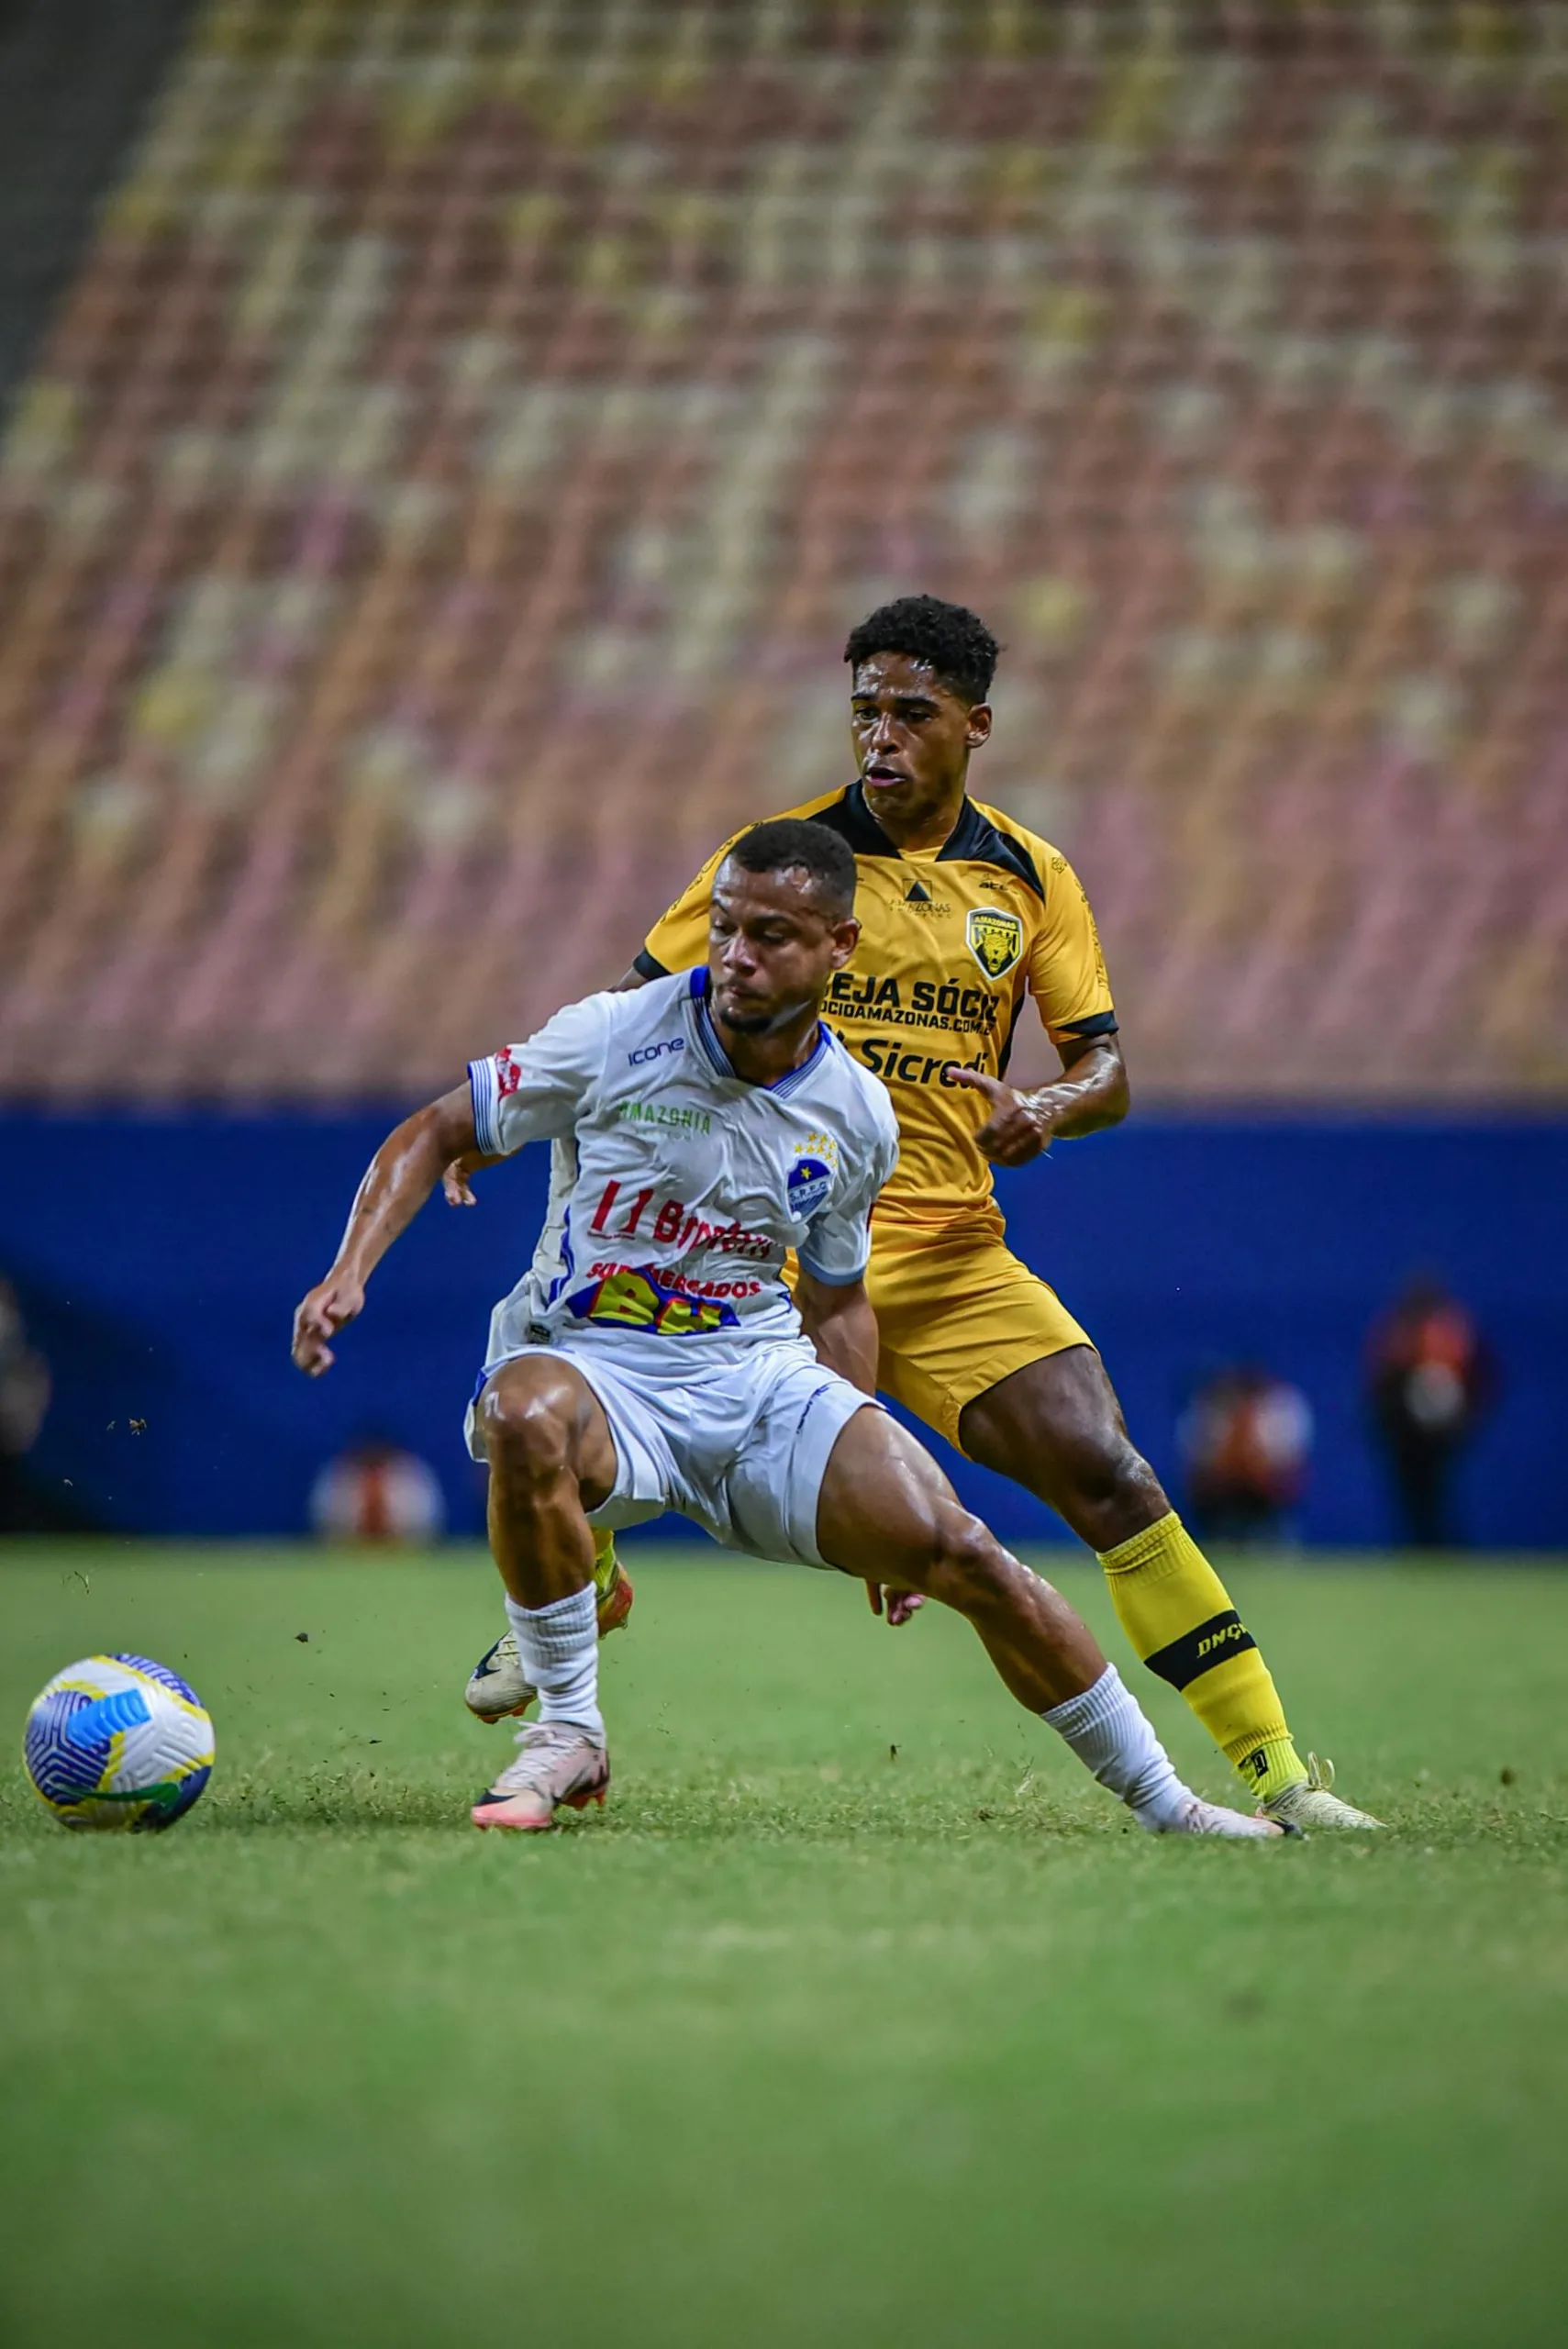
(1042, 1651)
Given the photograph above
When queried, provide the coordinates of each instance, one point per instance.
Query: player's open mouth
(879, 773)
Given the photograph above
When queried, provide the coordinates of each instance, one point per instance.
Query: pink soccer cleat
(557, 1767)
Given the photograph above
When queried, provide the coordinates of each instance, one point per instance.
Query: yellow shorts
(957, 1311)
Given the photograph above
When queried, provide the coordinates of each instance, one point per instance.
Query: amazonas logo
(995, 939)
(807, 1187)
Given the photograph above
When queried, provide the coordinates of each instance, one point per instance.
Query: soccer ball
(118, 1741)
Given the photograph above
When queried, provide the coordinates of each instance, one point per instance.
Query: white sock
(1114, 1739)
(559, 1649)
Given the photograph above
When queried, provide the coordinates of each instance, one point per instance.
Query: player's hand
(330, 1304)
(896, 1604)
(1019, 1125)
(455, 1186)
(456, 1182)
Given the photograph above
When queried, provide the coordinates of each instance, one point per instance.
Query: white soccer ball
(118, 1741)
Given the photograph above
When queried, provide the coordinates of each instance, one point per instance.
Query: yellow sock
(1177, 1613)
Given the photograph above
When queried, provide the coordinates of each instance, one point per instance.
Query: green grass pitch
(857, 2018)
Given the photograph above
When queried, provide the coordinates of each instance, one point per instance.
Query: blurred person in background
(1246, 1438)
(25, 1389)
(377, 1492)
(1430, 1378)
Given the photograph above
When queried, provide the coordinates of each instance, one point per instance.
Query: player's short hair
(950, 639)
(790, 844)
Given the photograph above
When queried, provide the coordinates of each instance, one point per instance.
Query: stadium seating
(435, 512)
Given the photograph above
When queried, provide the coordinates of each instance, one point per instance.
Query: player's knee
(527, 1429)
(968, 1564)
(1118, 1493)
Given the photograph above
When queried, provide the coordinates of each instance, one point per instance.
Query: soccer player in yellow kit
(964, 914)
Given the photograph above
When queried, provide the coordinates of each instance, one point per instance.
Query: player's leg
(885, 1510)
(1428, 1458)
(1055, 1426)
(984, 1351)
(498, 1688)
(552, 1457)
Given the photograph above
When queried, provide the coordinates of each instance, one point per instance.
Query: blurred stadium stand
(446, 443)
(432, 515)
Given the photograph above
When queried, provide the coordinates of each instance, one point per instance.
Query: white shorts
(740, 1445)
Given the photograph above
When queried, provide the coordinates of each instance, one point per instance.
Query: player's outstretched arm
(1090, 1092)
(398, 1182)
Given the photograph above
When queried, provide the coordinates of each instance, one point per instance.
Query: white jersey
(684, 1187)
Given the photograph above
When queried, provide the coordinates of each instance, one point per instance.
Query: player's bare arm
(1091, 1093)
(398, 1182)
(841, 1325)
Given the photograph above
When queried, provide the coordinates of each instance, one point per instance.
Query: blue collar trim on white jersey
(708, 1036)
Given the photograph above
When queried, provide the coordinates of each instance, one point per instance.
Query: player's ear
(979, 725)
(846, 937)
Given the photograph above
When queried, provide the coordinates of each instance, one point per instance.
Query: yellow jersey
(951, 942)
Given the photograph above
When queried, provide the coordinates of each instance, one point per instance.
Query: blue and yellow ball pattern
(118, 1742)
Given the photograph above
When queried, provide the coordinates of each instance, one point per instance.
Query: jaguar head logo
(995, 939)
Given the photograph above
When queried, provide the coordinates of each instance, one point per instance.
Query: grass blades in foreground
(858, 2017)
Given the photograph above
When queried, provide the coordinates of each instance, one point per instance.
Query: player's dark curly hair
(952, 641)
(789, 845)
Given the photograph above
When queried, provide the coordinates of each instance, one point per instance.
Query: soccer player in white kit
(714, 1126)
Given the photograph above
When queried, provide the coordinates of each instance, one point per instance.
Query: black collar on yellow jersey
(974, 838)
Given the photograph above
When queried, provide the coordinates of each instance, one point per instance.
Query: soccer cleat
(1200, 1818)
(496, 1687)
(556, 1767)
(1311, 1804)
(616, 1596)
